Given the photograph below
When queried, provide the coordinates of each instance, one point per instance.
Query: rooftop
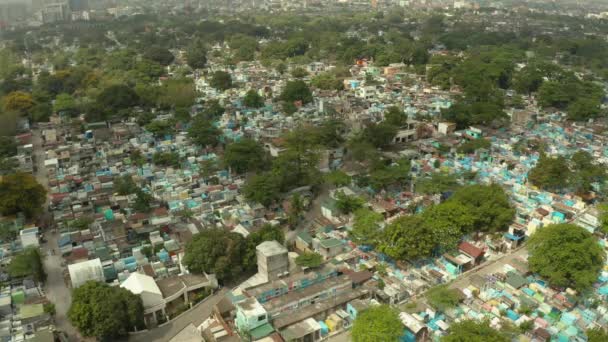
(270, 248)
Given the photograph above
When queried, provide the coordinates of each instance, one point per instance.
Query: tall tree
(408, 238)
(489, 206)
(472, 331)
(246, 155)
(221, 80)
(105, 312)
(203, 132)
(27, 264)
(20, 192)
(216, 251)
(253, 99)
(296, 91)
(19, 102)
(567, 255)
(377, 323)
(366, 229)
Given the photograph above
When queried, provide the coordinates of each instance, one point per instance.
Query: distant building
(55, 12)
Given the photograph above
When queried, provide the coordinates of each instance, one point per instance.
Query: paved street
(55, 288)
(195, 316)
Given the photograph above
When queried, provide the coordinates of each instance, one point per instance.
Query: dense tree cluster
(377, 323)
(21, 193)
(105, 312)
(471, 209)
(567, 255)
(226, 254)
(578, 172)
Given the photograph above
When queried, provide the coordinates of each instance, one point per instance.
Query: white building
(84, 271)
(29, 237)
(151, 296)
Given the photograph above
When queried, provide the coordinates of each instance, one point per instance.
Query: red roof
(470, 250)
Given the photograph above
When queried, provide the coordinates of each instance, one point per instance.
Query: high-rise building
(55, 12)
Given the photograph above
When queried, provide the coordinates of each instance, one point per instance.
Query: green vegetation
(579, 172)
(105, 312)
(246, 155)
(311, 260)
(228, 255)
(377, 323)
(27, 264)
(472, 331)
(221, 80)
(441, 297)
(21, 193)
(566, 255)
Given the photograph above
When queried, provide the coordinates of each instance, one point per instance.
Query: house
(273, 261)
(415, 329)
(145, 287)
(85, 271)
(308, 330)
(472, 252)
(303, 242)
(328, 248)
(29, 237)
(252, 318)
(330, 211)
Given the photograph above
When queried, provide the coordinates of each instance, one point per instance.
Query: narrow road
(196, 316)
(55, 287)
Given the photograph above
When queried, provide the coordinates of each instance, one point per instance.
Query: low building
(84, 271)
(145, 287)
(308, 330)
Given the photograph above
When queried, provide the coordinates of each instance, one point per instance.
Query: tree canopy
(377, 323)
(221, 80)
(296, 91)
(253, 99)
(216, 251)
(246, 155)
(105, 312)
(20, 192)
(566, 255)
(27, 264)
(472, 331)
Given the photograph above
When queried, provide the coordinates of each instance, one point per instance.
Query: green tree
(377, 323)
(441, 297)
(348, 204)
(27, 264)
(253, 99)
(338, 178)
(584, 109)
(408, 238)
(166, 159)
(327, 81)
(117, 97)
(471, 146)
(221, 80)
(124, 185)
(296, 91)
(203, 132)
(488, 204)
(309, 259)
(366, 229)
(178, 93)
(566, 255)
(262, 188)
(160, 128)
(472, 331)
(438, 183)
(143, 201)
(296, 208)
(448, 222)
(597, 335)
(299, 72)
(551, 174)
(216, 251)
(380, 135)
(395, 117)
(159, 54)
(105, 312)
(65, 103)
(19, 102)
(246, 155)
(385, 176)
(196, 55)
(20, 192)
